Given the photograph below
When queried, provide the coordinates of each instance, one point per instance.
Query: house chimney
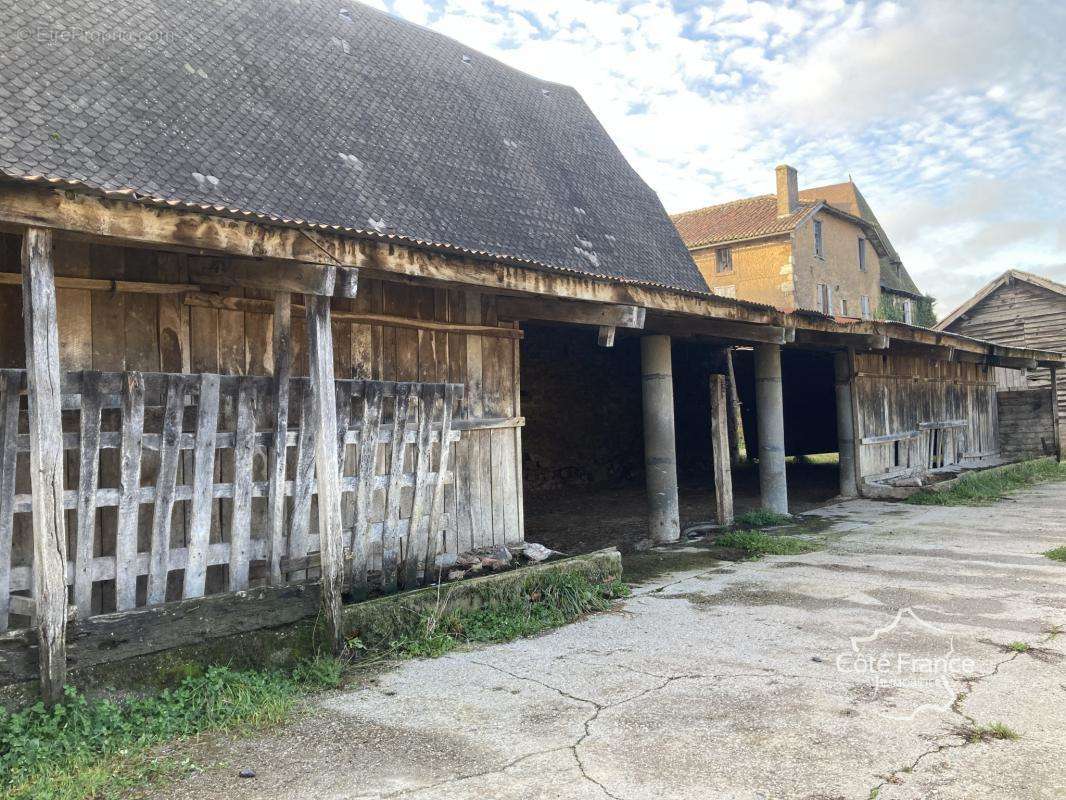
(787, 190)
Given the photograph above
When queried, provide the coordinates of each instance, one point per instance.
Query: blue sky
(950, 116)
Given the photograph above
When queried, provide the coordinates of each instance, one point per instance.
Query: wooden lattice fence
(175, 487)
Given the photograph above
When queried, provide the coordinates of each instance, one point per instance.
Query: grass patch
(987, 486)
(99, 748)
(545, 600)
(986, 733)
(761, 518)
(756, 544)
(1018, 647)
(1058, 554)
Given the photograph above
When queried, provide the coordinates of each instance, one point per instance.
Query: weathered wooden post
(723, 477)
(769, 402)
(327, 471)
(736, 424)
(282, 375)
(46, 459)
(1056, 424)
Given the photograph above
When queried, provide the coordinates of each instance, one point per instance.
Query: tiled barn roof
(325, 112)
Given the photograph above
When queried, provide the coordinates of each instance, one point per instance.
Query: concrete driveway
(790, 677)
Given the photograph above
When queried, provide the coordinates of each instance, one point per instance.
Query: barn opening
(583, 441)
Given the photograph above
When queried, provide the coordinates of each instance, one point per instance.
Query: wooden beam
(725, 330)
(569, 311)
(279, 449)
(308, 279)
(327, 472)
(723, 477)
(606, 334)
(230, 232)
(223, 302)
(98, 285)
(222, 233)
(842, 340)
(46, 459)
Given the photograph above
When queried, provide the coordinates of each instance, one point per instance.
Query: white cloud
(927, 103)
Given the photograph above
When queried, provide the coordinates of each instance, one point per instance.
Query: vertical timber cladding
(130, 331)
(915, 413)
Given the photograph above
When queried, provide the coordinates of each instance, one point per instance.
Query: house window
(908, 312)
(723, 260)
(823, 297)
(864, 306)
(818, 250)
(725, 291)
(862, 254)
(843, 307)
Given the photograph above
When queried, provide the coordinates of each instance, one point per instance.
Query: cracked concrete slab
(727, 683)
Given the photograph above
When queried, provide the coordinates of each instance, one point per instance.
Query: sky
(949, 116)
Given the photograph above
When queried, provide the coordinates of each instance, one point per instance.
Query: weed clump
(98, 748)
(755, 543)
(545, 600)
(987, 486)
(1058, 554)
(974, 733)
(761, 518)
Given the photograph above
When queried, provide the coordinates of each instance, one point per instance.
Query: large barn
(302, 292)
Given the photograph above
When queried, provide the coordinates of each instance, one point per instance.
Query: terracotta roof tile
(740, 219)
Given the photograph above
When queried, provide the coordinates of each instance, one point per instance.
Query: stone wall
(762, 272)
(1026, 425)
(838, 266)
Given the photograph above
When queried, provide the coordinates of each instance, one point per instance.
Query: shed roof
(326, 112)
(991, 287)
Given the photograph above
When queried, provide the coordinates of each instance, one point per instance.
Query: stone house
(820, 249)
(901, 299)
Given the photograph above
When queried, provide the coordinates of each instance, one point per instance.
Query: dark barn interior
(583, 446)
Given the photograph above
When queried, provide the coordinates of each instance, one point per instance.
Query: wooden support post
(282, 374)
(723, 476)
(324, 421)
(1056, 422)
(856, 430)
(46, 459)
(736, 423)
(606, 335)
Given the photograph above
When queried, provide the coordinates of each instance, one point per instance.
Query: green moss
(761, 518)
(542, 600)
(987, 486)
(756, 544)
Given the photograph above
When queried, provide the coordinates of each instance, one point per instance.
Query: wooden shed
(1021, 310)
(263, 332)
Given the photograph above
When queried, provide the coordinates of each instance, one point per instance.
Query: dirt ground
(870, 668)
(581, 520)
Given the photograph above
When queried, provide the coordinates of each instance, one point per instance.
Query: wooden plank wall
(922, 413)
(1021, 315)
(116, 332)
